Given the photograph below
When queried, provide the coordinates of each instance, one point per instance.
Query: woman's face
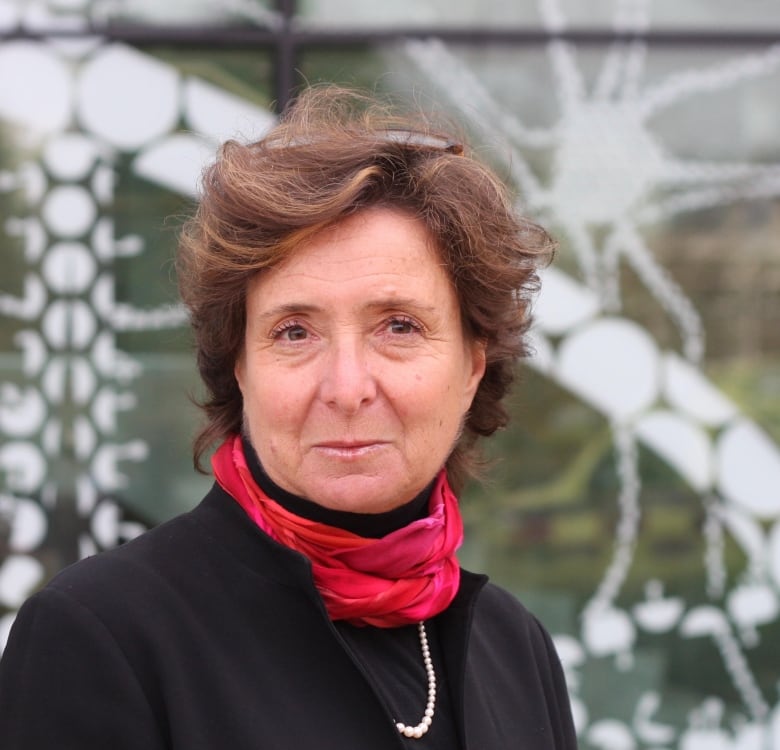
(355, 372)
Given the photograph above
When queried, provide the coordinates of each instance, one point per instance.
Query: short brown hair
(336, 152)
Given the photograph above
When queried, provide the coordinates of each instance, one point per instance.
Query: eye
(290, 331)
(402, 326)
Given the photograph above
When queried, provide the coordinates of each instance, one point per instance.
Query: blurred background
(635, 501)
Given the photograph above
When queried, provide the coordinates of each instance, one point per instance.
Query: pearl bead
(427, 720)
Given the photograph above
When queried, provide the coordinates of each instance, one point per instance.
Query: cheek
(429, 402)
(258, 405)
(272, 424)
(282, 406)
(269, 404)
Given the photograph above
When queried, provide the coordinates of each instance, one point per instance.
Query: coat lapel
(454, 627)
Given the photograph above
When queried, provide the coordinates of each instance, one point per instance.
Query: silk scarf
(408, 576)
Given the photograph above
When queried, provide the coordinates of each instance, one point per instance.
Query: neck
(368, 525)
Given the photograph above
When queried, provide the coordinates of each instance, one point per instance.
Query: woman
(358, 293)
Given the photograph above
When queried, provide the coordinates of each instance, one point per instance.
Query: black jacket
(204, 634)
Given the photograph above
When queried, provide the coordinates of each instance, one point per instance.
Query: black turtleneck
(390, 657)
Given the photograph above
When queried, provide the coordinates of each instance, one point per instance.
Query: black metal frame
(288, 38)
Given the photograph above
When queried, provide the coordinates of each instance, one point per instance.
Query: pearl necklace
(427, 719)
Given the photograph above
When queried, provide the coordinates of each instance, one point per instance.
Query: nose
(347, 381)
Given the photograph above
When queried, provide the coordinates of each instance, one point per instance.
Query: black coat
(204, 634)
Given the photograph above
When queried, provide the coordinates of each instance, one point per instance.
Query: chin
(359, 495)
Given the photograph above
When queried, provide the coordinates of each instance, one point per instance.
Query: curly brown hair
(336, 152)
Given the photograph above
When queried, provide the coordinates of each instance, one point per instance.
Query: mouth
(349, 449)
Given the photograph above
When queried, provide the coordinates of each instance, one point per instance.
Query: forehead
(377, 244)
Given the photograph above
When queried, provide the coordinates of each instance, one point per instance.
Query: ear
(238, 371)
(478, 356)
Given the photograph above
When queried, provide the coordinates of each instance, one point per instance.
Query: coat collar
(222, 518)
(454, 627)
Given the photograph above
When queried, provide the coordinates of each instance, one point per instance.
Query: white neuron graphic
(612, 173)
(60, 454)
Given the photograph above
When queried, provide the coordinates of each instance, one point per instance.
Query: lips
(349, 449)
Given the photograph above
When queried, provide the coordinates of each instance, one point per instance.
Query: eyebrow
(387, 303)
(288, 308)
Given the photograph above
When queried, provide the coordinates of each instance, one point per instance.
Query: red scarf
(405, 577)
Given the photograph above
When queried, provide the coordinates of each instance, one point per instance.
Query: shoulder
(130, 597)
(510, 651)
(152, 556)
(211, 557)
(167, 564)
(119, 592)
(498, 599)
(500, 614)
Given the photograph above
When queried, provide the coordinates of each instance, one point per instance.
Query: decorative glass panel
(636, 498)
(96, 361)
(634, 505)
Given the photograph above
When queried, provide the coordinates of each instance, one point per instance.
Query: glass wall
(634, 504)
